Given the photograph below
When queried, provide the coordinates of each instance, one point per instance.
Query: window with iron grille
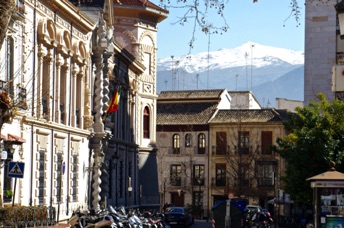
(221, 143)
(175, 175)
(198, 174)
(201, 143)
(58, 176)
(41, 170)
(75, 176)
(267, 142)
(243, 144)
(198, 198)
(243, 174)
(146, 123)
(176, 144)
(220, 174)
(265, 173)
(188, 140)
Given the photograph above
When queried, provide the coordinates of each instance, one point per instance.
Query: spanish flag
(113, 106)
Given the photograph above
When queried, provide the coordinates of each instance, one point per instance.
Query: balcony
(221, 150)
(198, 181)
(174, 151)
(19, 10)
(198, 150)
(265, 182)
(218, 182)
(176, 181)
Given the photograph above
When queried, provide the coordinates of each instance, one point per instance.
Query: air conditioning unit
(338, 78)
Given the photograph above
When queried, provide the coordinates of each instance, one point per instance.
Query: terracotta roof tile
(191, 94)
(185, 113)
(250, 116)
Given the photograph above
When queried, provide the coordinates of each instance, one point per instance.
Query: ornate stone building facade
(64, 63)
(47, 54)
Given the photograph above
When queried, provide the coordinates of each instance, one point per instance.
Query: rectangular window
(243, 143)
(175, 175)
(198, 174)
(58, 176)
(63, 95)
(41, 169)
(198, 200)
(78, 109)
(147, 62)
(221, 143)
(243, 174)
(220, 175)
(265, 173)
(45, 88)
(267, 142)
(74, 177)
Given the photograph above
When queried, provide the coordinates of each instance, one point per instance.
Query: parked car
(254, 208)
(178, 216)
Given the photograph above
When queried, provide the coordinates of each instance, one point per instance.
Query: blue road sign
(16, 169)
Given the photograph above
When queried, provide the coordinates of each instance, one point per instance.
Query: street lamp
(340, 13)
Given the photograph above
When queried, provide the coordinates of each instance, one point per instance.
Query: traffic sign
(16, 169)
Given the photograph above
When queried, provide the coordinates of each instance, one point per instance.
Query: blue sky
(264, 22)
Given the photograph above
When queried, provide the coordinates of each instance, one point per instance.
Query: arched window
(146, 123)
(188, 140)
(201, 143)
(176, 144)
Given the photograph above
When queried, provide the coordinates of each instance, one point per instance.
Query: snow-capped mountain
(249, 54)
(242, 68)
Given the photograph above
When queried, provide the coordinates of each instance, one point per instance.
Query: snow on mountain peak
(247, 54)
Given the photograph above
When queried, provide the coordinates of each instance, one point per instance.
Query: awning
(13, 139)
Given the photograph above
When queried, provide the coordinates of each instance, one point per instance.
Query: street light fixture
(340, 13)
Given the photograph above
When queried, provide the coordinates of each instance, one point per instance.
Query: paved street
(201, 224)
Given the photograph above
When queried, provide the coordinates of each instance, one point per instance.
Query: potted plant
(8, 193)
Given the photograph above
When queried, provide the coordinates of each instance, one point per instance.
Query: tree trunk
(7, 8)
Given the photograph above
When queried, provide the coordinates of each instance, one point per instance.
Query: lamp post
(340, 14)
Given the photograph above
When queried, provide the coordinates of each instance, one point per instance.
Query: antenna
(246, 56)
(172, 70)
(236, 82)
(197, 76)
(208, 55)
(252, 46)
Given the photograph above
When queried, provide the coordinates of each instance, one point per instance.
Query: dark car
(178, 216)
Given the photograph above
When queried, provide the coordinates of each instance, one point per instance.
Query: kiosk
(328, 199)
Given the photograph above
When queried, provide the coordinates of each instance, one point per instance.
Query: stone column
(98, 127)
(41, 54)
(57, 89)
(73, 95)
